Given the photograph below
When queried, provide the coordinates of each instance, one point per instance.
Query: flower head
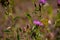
(58, 1)
(42, 1)
(36, 22)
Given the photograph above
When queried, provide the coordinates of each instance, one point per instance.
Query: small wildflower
(36, 22)
(58, 3)
(42, 1)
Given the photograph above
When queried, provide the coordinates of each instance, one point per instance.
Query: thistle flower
(58, 3)
(42, 1)
(36, 22)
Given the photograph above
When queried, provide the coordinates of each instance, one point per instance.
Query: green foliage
(18, 37)
(7, 39)
(17, 17)
(35, 30)
(20, 29)
(35, 33)
(33, 1)
(49, 10)
(6, 30)
(58, 38)
(58, 15)
(4, 3)
(36, 8)
(11, 3)
(28, 15)
(57, 23)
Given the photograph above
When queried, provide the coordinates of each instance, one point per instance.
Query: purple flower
(58, 1)
(42, 1)
(36, 22)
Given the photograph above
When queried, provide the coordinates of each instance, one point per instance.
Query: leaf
(20, 29)
(58, 15)
(36, 8)
(49, 10)
(11, 2)
(7, 39)
(58, 38)
(1, 36)
(34, 27)
(33, 35)
(44, 21)
(6, 30)
(17, 17)
(18, 37)
(4, 3)
(40, 17)
(33, 1)
(6, 13)
(57, 23)
(28, 15)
